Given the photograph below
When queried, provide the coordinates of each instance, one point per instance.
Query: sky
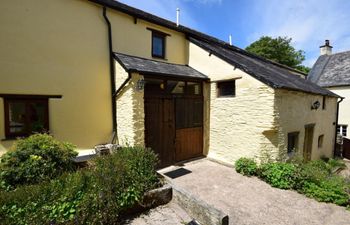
(307, 22)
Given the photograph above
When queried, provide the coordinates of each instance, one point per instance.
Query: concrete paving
(170, 214)
(250, 201)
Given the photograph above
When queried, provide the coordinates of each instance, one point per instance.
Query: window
(320, 141)
(342, 130)
(194, 88)
(293, 139)
(24, 116)
(226, 89)
(158, 44)
(324, 103)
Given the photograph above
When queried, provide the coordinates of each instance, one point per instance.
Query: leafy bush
(331, 190)
(280, 175)
(246, 166)
(35, 159)
(96, 195)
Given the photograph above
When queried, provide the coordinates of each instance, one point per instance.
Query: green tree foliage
(279, 50)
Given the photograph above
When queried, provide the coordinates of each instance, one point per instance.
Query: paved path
(170, 214)
(250, 201)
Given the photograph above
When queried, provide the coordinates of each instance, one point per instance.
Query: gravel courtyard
(250, 201)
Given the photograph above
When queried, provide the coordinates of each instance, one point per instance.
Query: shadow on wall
(269, 146)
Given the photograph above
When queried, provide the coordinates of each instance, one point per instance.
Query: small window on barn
(324, 103)
(226, 88)
(293, 139)
(320, 141)
(158, 45)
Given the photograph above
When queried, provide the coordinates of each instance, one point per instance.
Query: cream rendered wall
(344, 106)
(58, 47)
(294, 112)
(130, 112)
(241, 126)
(135, 39)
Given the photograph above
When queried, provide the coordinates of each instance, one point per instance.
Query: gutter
(112, 77)
(336, 125)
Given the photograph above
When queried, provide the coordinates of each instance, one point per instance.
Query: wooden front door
(308, 141)
(173, 122)
(160, 128)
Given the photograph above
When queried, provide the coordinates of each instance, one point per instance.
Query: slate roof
(153, 67)
(331, 70)
(268, 72)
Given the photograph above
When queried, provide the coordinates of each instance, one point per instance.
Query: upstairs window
(158, 44)
(342, 130)
(226, 88)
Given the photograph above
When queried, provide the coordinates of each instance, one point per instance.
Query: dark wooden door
(346, 148)
(308, 141)
(160, 128)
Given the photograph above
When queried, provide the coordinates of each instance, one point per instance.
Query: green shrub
(246, 166)
(332, 190)
(35, 159)
(96, 195)
(280, 175)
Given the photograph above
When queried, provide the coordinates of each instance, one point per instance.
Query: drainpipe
(336, 125)
(112, 77)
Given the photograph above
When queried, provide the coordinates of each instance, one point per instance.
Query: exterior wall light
(140, 85)
(315, 105)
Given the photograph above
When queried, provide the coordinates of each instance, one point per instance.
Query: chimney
(177, 17)
(230, 39)
(326, 49)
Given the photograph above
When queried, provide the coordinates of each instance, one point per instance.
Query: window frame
(342, 128)
(219, 93)
(320, 141)
(162, 36)
(295, 135)
(27, 99)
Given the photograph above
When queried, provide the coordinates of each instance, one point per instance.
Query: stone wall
(130, 112)
(240, 126)
(294, 112)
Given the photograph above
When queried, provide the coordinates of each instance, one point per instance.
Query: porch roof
(153, 67)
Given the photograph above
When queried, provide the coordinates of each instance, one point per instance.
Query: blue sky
(307, 22)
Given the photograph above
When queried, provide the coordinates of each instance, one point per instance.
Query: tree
(279, 50)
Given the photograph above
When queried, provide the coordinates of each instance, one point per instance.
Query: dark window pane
(292, 142)
(189, 113)
(17, 117)
(158, 45)
(25, 116)
(175, 87)
(320, 141)
(193, 88)
(344, 131)
(154, 86)
(227, 88)
(37, 112)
